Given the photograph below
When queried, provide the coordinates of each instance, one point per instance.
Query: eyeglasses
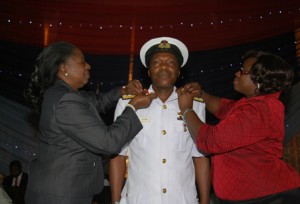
(244, 72)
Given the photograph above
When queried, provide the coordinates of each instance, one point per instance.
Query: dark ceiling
(120, 27)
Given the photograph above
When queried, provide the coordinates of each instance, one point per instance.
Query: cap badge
(164, 45)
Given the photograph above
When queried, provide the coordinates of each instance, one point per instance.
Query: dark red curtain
(120, 27)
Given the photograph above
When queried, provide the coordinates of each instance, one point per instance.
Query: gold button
(164, 161)
(164, 132)
(164, 106)
(164, 190)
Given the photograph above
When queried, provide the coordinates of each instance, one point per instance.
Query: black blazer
(72, 137)
(7, 182)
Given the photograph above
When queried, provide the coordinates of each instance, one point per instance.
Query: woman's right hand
(143, 99)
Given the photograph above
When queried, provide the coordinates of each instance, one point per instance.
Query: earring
(258, 86)
(66, 74)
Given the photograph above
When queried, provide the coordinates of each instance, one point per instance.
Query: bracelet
(131, 106)
(185, 112)
(116, 202)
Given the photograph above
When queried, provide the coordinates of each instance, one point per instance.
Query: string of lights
(58, 23)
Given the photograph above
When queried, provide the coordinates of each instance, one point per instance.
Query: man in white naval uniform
(162, 158)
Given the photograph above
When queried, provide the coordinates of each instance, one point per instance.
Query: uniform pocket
(184, 137)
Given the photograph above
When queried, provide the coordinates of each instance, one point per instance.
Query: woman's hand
(143, 99)
(134, 87)
(185, 99)
(194, 88)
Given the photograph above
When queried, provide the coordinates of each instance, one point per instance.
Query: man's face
(163, 70)
(15, 171)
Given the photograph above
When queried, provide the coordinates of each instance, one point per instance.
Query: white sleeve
(120, 107)
(118, 111)
(199, 109)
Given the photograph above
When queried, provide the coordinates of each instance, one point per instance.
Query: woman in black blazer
(68, 168)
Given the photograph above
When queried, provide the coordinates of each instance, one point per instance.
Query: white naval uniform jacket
(160, 167)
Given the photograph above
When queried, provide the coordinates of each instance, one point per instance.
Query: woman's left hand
(185, 99)
(194, 88)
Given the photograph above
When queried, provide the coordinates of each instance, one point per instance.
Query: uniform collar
(172, 97)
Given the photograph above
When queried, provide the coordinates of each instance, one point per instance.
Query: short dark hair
(270, 71)
(15, 163)
(252, 54)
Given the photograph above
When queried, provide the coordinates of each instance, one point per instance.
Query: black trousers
(286, 197)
